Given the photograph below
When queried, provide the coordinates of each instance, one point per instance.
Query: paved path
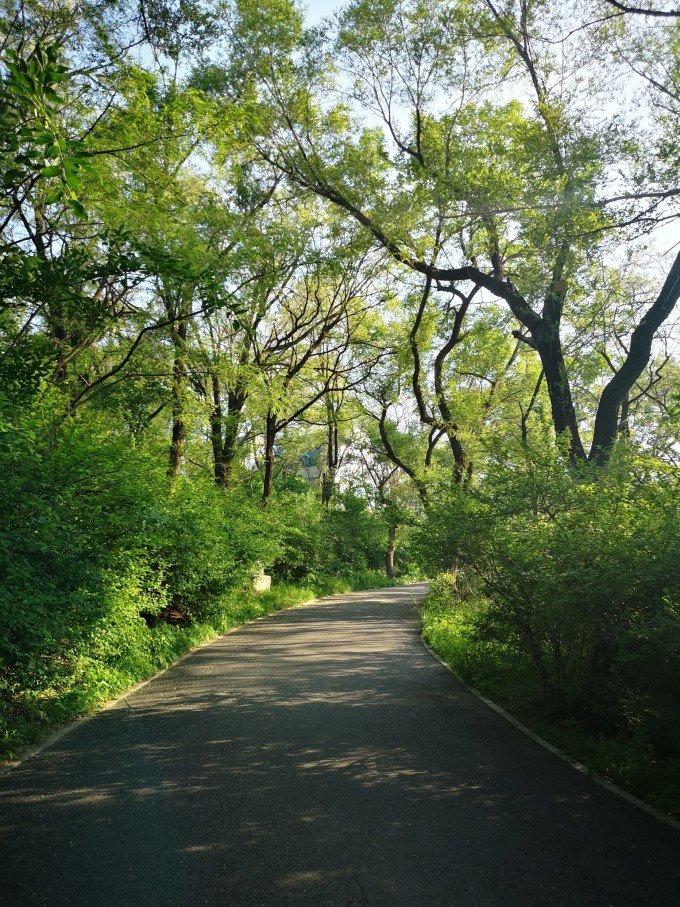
(319, 757)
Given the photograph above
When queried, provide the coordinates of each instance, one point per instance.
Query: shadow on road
(319, 757)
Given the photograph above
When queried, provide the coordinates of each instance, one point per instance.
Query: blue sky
(317, 9)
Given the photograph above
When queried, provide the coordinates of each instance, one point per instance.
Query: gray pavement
(319, 757)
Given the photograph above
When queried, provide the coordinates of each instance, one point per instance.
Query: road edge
(583, 769)
(111, 703)
(129, 691)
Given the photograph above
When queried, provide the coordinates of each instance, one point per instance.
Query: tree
(302, 358)
(518, 192)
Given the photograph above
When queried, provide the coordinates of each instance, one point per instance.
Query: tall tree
(518, 195)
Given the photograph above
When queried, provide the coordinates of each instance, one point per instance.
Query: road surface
(319, 757)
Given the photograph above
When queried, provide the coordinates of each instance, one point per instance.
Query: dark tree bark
(543, 336)
(178, 333)
(224, 427)
(524, 423)
(445, 422)
(332, 460)
(389, 554)
(269, 441)
(643, 10)
(618, 388)
(448, 423)
(216, 420)
(236, 401)
(624, 421)
(549, 348)
(392, 455)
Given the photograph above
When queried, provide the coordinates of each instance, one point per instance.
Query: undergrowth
(451, 619)
(56, 688)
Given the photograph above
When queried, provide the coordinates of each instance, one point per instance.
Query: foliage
(94, 545)
(580, 616)
(271, 295)
(317, 543)
(107, 573)
(504, 674)
(207, 542)
(35, 146)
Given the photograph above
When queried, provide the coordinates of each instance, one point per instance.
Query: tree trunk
(178, 332)
(332, 459)
(216, 430)
(392, 455)
(457, 448)
(624, 421)
(564, 418)
(236, 400)
(269, 439)
(389, 554)
(448, 422)
(607, 418)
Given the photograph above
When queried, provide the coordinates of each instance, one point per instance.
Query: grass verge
(52, 691)
(505, 676)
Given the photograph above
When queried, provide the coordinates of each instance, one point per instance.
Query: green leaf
(53, 74)
(25, 81)
(11, 177)
(87, 165)
(52, 170)
(77, 209)
(73, 180)
(53, 96)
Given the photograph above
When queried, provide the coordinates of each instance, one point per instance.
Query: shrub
(580, 571)
(314, 541)
(206, 542)
(94, 545)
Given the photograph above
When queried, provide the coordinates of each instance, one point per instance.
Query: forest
(366, 297)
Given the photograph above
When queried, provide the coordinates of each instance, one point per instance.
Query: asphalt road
(319, 757)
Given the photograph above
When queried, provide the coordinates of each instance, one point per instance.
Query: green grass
(506, 677)
(56, 688)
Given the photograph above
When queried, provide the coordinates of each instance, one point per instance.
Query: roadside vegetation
(354, 302)
(561, 602)
(111, 573)
(71, 679)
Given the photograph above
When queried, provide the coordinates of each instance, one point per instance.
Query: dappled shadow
(318, 757)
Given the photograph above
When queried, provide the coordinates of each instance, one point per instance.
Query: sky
(317, 9)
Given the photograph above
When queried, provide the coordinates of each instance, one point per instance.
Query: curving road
(319, 757)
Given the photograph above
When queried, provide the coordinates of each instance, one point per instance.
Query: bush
(95, 547)
(314, 542)
(354, 537)
(70, 508)
(580, 571)
(108, 573)
(296, 522)
(206, 542)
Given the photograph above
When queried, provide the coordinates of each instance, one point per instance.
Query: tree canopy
(304, 297)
